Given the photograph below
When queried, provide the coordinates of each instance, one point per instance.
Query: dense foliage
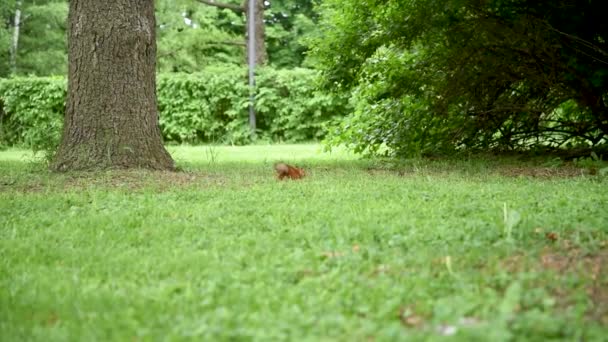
(5, 37)
(288, 25)
(190, 35)
(31, 111)
(211, 106)
(431, 76)
(41, 42)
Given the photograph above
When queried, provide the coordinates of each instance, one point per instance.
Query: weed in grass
(510, 218)
(212, 154)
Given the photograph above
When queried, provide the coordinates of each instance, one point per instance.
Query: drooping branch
(580, 40)
(232, 7)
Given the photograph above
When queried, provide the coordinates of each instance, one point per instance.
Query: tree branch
(227, 43)
(578, 39)
(231, 7)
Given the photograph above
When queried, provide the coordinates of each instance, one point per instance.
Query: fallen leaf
(52, 319)
(447, 330)
(330, 255)
(381, 269)
(414, 321)
(468, 321)
(409, 318)
(551, 236)
(448, 264)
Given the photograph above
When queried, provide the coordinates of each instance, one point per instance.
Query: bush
(433, 77)
(31, 111)
(210, 106)
(387, 123)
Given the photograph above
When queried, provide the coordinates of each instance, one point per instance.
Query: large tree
(111, 117)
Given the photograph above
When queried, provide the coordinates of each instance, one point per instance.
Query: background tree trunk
(261, 57)
(15, 41)
(111, 116)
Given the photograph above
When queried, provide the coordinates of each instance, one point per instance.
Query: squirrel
(285, 170)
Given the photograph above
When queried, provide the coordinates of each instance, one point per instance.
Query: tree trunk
(111, 117)
(260, 47)
(15, 40)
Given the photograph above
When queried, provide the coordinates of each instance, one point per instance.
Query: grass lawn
(465, 249)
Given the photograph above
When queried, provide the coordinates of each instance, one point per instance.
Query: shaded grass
(358, 250)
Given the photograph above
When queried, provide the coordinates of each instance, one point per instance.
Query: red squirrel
(284, 170)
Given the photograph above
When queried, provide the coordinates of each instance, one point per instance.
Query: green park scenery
(453, 156)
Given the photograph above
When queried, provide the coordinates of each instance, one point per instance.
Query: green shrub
(213, 106)
(202, 107)
(210, 106)
(436, 77)
(31, 111)
(292, 109)
(388, 123)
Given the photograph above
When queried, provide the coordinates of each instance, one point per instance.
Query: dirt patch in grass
(121, 180)
(541, 172)
(133, 180)
(482, 167)
(591, 268)
(502, 170)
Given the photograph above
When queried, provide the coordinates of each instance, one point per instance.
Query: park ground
(469, 248)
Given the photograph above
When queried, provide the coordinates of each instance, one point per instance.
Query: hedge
(206, 107)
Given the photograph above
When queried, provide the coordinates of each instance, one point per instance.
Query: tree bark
(15, 41)
(111, 116)
(260, 47)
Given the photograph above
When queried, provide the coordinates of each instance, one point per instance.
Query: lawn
(487, 249)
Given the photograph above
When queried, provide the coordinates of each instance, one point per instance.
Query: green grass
(358, 250)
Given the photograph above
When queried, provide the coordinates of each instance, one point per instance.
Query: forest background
(201, 74)
(413, 78)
